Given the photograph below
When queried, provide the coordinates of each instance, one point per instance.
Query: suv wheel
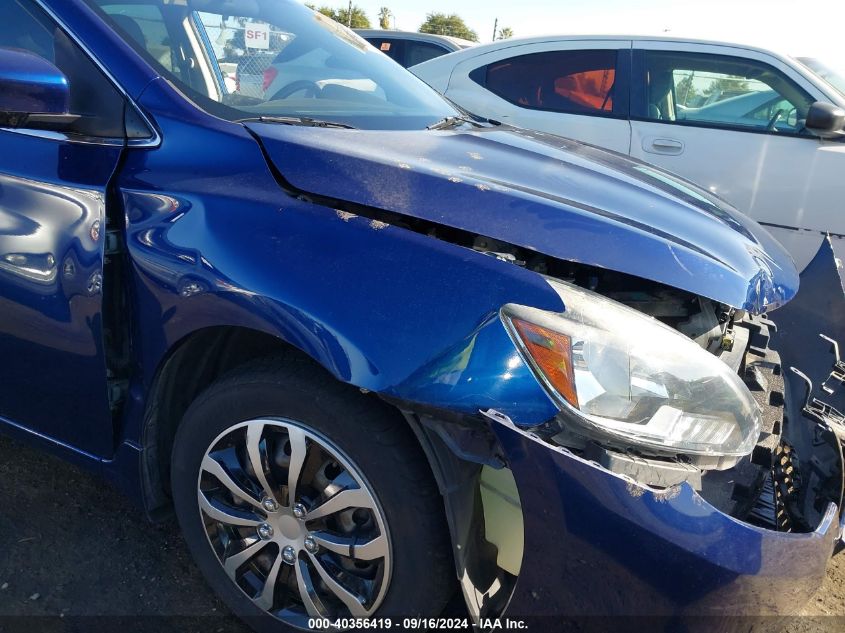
(301, 498)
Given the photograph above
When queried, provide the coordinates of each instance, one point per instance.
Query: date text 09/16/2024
(406, 624)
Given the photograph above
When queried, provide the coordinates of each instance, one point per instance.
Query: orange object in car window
(590, 89)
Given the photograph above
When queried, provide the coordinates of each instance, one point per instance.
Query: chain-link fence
(250, 72)
(245, 51)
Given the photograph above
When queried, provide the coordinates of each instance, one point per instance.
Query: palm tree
(384, 15)
(505, 33)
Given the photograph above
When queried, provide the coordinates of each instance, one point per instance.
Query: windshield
(243, 59)
(834, 78)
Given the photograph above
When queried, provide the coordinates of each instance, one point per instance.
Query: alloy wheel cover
(293, 522)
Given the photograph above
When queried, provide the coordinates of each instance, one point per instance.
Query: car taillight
(269, 77)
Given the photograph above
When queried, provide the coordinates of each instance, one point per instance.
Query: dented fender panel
(379, 306)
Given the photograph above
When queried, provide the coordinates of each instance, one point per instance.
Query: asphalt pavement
(73, 547)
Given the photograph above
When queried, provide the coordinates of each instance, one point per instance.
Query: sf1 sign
(257, 35)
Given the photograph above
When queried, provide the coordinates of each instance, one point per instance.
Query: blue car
(375, 352)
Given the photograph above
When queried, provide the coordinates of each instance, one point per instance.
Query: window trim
(76, 139)
(638, 101)
(152, 142)
(213, 80)
(622, 84)
(202, 33)
(728, 128)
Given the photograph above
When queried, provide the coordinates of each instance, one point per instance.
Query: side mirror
(33, 92)
(825, 120)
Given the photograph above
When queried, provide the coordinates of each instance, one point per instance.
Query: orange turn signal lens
(552, 353)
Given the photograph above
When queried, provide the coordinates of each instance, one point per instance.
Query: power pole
(495, 28)
(349, 17)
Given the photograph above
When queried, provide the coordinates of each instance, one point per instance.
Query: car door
(577, 89)
(53, 203)
(730, 119)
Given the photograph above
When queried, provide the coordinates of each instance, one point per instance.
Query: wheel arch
(456, 447)
(204, 349)
(189, 367)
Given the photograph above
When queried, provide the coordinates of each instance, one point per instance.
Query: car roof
(537, 39)
(454, 43)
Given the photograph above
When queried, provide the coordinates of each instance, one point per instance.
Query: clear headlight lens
(632, 379)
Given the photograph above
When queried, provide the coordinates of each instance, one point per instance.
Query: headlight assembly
(633, 381)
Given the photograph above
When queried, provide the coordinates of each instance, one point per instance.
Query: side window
(774, 106)
(100, 106)
(394, 49)
(145, 25)
(162, 38)
(559, 81)
(722, 91)
(419, 52)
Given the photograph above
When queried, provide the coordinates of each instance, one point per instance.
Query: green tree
(453, 25)
(359, 18)
(505, 33)
(686, 92)
(384, 16)
(725, 87)
(235, 45)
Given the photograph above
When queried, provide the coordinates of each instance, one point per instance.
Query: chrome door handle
(659, 145)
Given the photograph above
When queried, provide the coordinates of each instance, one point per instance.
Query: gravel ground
(72, 547)
(826, 611)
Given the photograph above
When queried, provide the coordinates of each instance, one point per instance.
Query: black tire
(370, 433)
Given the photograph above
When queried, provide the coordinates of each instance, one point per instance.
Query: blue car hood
(548, 194)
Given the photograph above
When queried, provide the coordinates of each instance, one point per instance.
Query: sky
(774, 23)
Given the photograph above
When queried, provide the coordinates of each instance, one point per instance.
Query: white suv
(762, 130)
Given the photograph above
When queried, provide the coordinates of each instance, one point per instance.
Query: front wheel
(301, 498)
